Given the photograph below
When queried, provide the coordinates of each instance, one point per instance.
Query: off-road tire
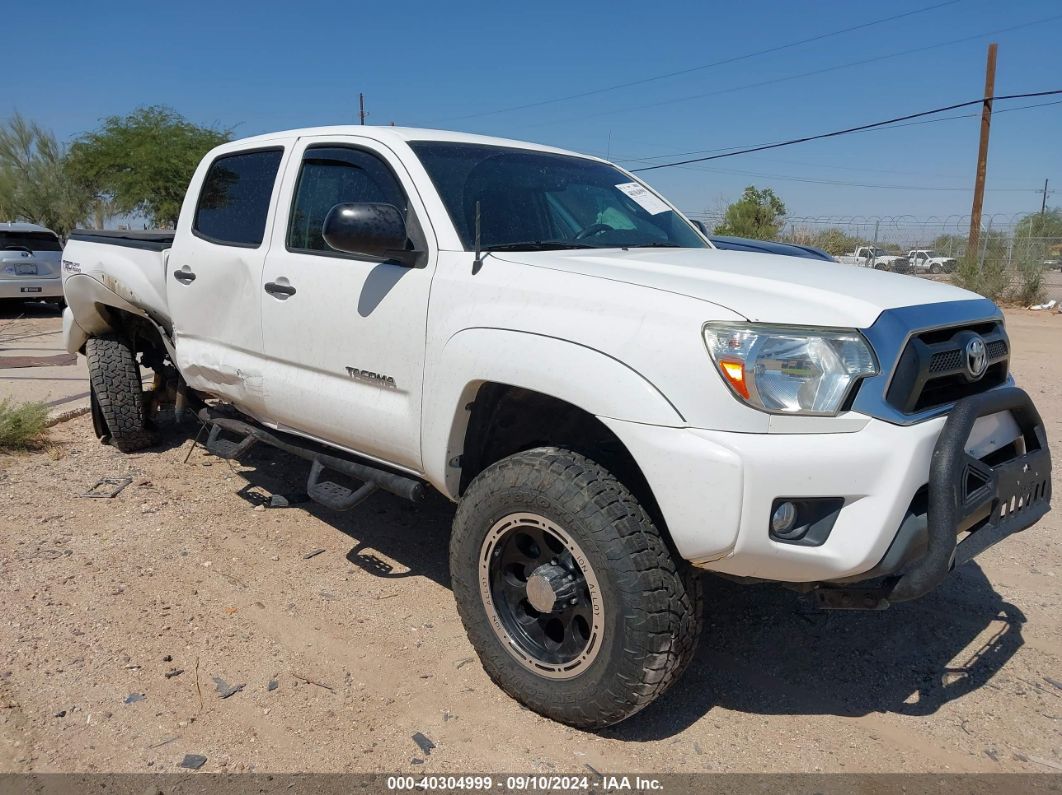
(936, 268)
(651, 599)
(119, 393)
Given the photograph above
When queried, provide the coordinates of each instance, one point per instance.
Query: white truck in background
(874, 257)
(614, 405)
(924, 260)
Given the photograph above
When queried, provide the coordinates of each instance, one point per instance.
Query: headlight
(789, 369)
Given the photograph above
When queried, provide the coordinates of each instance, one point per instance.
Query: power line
(702, 67)
(801, 75)
(842, 183)
(814, 181)
(850, 130)
(651, 158)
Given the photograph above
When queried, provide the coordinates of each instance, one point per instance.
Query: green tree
(1037, 238)
(835, 241)
(985, 271)
(35, 180)
(142, 163)
(758, 214)
(948, 245)
(1037, 225)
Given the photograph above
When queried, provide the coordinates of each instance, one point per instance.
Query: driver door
(346, 333)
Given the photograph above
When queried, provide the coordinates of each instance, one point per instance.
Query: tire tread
(114, 376)
(663, 596)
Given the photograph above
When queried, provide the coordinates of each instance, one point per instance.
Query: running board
(328, 493)
(226, 448)
(332, 495)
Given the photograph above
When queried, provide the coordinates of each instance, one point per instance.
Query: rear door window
(234, 201)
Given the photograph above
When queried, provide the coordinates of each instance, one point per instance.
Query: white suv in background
(30, 257)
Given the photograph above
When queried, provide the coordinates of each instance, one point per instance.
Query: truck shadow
(393, 538)
(767, 651)
(15, 310)
(764, 650)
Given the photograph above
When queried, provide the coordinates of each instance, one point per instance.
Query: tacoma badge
(385, 381)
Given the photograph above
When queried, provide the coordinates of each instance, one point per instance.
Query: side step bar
(327, 493)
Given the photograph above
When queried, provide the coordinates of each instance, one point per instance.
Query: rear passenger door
(345, 334)
(214, 275)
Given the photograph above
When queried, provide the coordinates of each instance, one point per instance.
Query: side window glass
(234, 201)
(332, 175)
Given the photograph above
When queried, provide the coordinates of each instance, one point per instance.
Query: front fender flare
(590, 379)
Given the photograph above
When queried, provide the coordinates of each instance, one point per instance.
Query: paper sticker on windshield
(650, 203)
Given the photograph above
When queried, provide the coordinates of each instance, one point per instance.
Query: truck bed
(131, 265)
(153, 240)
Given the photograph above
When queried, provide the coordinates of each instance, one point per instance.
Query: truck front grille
(932, 370)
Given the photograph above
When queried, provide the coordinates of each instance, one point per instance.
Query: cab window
(332, 175)
(234, 202)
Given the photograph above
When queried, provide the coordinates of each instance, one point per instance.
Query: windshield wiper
(653, 245)
(537, 245)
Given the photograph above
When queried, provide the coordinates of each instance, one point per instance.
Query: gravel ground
(125, 619)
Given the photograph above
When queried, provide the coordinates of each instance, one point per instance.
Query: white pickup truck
(923, 260)
(874, 257)
(614, 405)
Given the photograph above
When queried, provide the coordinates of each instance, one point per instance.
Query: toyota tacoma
(614, 405)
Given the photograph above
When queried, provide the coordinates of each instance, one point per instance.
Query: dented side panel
(214, 292)
(129, 277)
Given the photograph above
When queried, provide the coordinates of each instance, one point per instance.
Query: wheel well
(507, 419)
(141, 333)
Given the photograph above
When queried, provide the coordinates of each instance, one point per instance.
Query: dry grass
(22, 425)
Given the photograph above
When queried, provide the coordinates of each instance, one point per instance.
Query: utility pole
(1043, 204)
(982, 154)
(361, 107)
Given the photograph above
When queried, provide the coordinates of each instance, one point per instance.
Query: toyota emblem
(976, 358)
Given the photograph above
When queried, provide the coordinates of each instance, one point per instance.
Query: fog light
(783, 518)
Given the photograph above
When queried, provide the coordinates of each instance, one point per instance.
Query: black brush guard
(996, 501)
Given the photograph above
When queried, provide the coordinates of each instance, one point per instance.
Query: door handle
(279, 289)
(184, 276)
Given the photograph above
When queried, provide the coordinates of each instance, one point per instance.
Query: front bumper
(715, 489)
(31, 289)
(966, 494)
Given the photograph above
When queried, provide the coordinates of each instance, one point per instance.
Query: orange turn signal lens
(734, 372)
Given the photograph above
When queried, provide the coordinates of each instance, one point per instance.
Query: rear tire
(590, 536)
(118, 393)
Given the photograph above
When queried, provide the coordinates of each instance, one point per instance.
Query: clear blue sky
(260, 66)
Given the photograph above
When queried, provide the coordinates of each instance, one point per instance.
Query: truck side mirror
(700, 226)
(370, 228)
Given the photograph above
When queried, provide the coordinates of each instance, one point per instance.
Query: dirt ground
(122, 619)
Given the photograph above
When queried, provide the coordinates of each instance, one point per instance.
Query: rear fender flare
(86, 314)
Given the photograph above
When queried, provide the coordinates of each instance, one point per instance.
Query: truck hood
(760, 287)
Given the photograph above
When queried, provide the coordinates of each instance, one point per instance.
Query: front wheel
(567, 590)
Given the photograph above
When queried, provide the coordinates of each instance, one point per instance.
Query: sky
(546, 72)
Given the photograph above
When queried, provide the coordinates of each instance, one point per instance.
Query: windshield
(538, 201)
